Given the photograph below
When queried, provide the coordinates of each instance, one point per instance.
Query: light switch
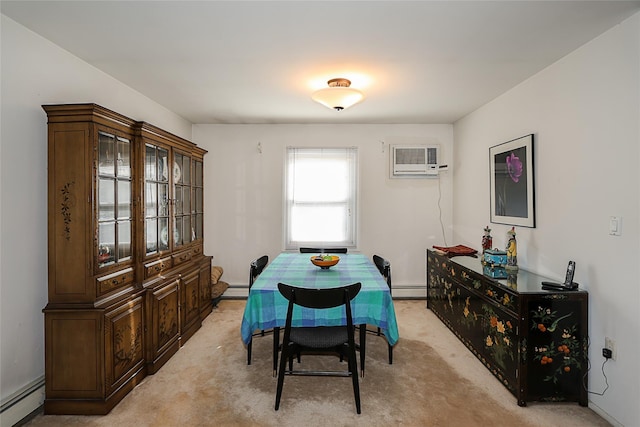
(615, 225)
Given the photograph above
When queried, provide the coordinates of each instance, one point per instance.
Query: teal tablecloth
(266, 308)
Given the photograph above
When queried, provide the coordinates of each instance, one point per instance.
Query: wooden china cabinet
(172, 226)
(128, 280)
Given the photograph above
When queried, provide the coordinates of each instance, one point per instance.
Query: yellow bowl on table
(325, 262)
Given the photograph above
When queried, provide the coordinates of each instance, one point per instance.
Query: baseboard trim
(22, 404)
(598, 410)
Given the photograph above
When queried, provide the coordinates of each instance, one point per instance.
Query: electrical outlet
(610, 344)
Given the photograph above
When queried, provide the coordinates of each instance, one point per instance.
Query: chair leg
(276, 347)
(363, 345)
(283, 361)
(390, 354)
(353, 368)
(249, 352)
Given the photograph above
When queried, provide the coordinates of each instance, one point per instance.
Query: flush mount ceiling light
(338, 95)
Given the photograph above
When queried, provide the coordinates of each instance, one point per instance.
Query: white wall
(584, 111)
(36, 72)
(399, 218)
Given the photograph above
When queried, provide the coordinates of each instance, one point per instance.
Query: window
(321, 197)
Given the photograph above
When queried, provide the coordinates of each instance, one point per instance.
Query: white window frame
(350, 155)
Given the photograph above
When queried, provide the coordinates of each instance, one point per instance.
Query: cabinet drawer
(113, 281)
(196, 251)
(181, 257)
(482, 285)
(490, 289)
(157, 267)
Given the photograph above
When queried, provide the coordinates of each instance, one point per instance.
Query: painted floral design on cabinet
(559, 357)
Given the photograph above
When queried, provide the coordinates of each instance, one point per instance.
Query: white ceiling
(259, 61)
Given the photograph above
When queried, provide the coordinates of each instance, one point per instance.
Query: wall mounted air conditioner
(414, 160)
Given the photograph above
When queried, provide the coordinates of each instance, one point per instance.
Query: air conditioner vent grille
(414, 160)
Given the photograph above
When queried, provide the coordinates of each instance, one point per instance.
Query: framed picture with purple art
(512, 182)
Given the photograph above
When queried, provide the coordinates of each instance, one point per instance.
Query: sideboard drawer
(114, 281)
(181, 257)
(157, 267)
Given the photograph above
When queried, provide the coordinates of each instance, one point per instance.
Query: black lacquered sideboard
(533, 340)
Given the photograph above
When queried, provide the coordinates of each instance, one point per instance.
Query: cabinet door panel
(555, 349)
(488, 330)
(73, 351)
(191, 302)
(124, 341)
(164, 318)
(205, 289)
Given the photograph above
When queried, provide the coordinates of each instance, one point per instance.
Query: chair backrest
(335, 250)
(384, 267)
(310, 250)
(256, 268)
(323, 250)
(319, 298)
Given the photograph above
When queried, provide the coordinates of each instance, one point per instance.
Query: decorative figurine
(512, 250)
(487, 240)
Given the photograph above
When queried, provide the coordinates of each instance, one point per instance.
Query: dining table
(266, 308)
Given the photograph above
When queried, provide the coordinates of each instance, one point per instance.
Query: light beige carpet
(434, 381)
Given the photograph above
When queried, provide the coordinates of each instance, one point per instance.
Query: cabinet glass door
(182, 232)
(197, 207)
(114, 199)
(156, 194)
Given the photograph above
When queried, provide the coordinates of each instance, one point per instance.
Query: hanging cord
(606, 381)
(444, 237)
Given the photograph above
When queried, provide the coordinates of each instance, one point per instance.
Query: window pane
(199, 221)
(106, 198)
(150, 166)
(106, 154)
(163, 225)
(124, 199)
(177, 169)
(186, 203)
(318, 224)
(124, 158)
(163, 199)
(163, 165)
(198, 167)
(320, 181)
(124, 240)
(186, 171)
(198, 199)
(152, 235)
(106, 243)
(187, 232)
(150, 200)
(177, 232)
(178, 203)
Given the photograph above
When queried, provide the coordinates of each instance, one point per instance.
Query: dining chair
(384, 267)
(320, 340)
(335, 250)
(310, 250)
(323, 250)
(255, 269)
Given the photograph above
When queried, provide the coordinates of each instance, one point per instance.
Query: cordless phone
(568, 285)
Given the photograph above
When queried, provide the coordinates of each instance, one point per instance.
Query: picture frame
(513, 182)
